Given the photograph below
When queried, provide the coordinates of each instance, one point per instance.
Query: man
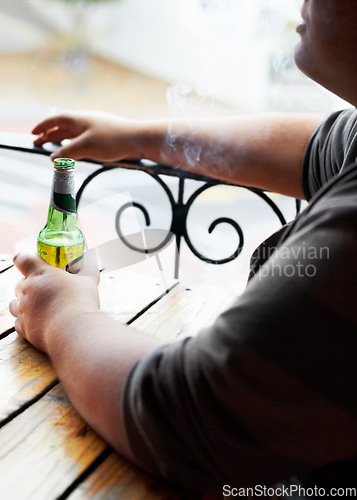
(268, 391)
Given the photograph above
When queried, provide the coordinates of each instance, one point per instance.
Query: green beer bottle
(61, 241)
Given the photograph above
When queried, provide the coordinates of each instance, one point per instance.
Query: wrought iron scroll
(180, 209)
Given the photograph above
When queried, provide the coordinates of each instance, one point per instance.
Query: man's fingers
(54, 135)
(18, 328)
(78, 148)
(14, 308)
(85, 265)
(27, 264)
(63, 121)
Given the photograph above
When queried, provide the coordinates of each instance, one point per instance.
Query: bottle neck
(63, 192)
(61, 221)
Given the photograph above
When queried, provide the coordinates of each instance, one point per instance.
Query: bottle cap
(64, 163)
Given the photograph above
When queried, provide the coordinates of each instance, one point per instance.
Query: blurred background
(123, 55)
(139, 58)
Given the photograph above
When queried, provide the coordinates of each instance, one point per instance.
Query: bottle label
(63, 202)
(62, 197)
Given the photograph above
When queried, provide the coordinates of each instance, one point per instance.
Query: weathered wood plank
(8, 278)
(45, 448)
(116, 478)
(25, 373)
(184, 311)
(124, 293)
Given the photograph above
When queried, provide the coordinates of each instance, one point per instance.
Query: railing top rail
(144, 165)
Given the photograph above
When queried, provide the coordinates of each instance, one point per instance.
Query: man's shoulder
(335, 204)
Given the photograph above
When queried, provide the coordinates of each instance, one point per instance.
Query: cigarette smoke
(186, 105)
(183, 105)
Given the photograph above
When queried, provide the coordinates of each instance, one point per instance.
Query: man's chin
(302, 61)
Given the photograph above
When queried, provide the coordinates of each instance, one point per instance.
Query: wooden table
(46, 450)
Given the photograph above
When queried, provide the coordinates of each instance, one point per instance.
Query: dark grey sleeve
(332, 147)
(268, 391)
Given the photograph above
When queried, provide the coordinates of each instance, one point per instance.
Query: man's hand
(48, 295)
(95, 135)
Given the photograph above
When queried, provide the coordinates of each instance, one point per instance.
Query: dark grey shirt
(268, 391)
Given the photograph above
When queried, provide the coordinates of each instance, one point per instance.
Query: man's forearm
(92, 354)
(264, 151)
